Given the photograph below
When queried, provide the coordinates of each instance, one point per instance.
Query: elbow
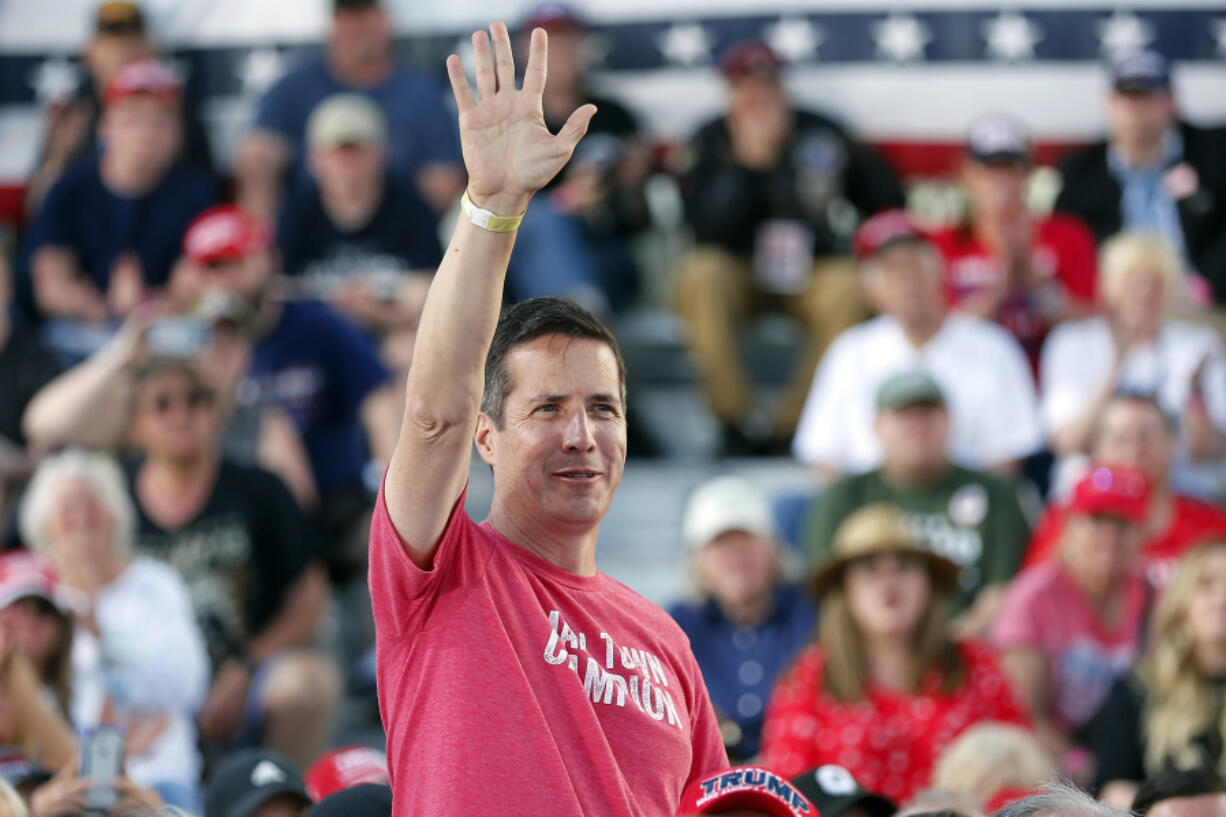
(430, 419)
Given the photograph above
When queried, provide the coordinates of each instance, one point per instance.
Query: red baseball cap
(883, 230)
(150, 77)
(23, 574)
(343, 769)
(1112, 491)
(554, 17)
(224, 233)
(752, 788)
(751, 56)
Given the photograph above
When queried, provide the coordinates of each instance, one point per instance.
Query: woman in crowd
(884, 690)
(1137, 346)
(138, 657)
(1169, 713)
(1070, 626)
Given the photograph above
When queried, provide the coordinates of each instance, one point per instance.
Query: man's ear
(484, 438)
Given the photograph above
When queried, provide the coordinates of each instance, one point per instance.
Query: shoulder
(687, 614)
(1064, 227)
(1088, 160)
(1043, 579)
(1190, 335)
(995, 485)
(250, 479)
(981, 335)
(1075, 333)
(862, 336)
(978, 658)
(308, 74)
(651, 615)
(812, 120)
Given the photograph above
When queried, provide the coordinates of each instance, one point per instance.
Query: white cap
(724, 504)
(346, 119)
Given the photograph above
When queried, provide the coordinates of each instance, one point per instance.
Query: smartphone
(178, 338)
(102, 765)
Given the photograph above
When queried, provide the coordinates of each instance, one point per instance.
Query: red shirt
(1192, 522)
(1063, 257)
(510, 686)
(890, 740)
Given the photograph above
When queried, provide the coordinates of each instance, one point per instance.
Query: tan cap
(873, 529)
(723, 504)
(346, 119)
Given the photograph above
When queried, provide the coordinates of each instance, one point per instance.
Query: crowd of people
(1013, 570)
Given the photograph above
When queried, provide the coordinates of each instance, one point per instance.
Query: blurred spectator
(1069, 627)
(990, 759)
(307, 361)
(21, 773)
(1061, 799)
(970, 517)
(241, 543)
(884, 690)
(980, 367)
(26, 365)
(575, 240)
(255, 783)
(772, 194)
(1136, 346)
(1003, 264)
(359, 57)
(1182, 793)
(1133, 431)
(64, 795)
(748, 623)
(110, 229)
(1154, 172)
(939, 803)
(138, 659)
(351, 235)
(1167, 714)
(120, 36)
(835, 793)
(370, 800)
(345, 768)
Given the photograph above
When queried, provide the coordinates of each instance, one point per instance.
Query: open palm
(508, 150)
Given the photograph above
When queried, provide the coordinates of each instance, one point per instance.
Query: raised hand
(508, 150)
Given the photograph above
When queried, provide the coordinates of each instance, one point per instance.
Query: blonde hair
(846, 666)
(992, 756)
(1132, 251)
(97, 469)
(1178, 706)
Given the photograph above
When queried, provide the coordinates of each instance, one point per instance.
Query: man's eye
(605, 408)
(548, 407)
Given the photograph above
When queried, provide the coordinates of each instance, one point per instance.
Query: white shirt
(149, 660)
(981, 370)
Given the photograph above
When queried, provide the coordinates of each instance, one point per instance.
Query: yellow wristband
(487, 220)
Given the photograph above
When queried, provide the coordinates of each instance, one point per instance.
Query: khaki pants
(716, 294)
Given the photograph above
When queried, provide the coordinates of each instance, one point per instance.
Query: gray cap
(1144, 70)
(346, 119)
(907, 388)
(998, 139)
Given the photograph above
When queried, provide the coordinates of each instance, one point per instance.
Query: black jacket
(1092, 192)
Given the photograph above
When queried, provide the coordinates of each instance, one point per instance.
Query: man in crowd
(1153, 172)
(748, 622)
(981, 369)
(972, 518)
(1002, 263)
(772, 194)
(575, 241)
(256, 783)
(359, 57)
(1134, 431)
(111, 229)
(511, 671)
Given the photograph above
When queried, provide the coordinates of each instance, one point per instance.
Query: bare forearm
(87, 405)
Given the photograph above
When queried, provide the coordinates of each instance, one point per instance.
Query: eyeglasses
(192, 399)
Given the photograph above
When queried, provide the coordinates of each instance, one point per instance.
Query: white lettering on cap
(266, 772)
(835, 780)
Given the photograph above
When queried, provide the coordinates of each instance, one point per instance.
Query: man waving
(514, 678)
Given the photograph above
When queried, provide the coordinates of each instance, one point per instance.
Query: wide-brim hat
(872, 530)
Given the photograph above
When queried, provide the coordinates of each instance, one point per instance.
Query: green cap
(906, 388)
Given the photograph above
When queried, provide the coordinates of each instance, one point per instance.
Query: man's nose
(579, 435)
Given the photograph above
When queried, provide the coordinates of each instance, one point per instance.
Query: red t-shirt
(1063, 254)
(890, 740)
(1192, 522)
(510, 686)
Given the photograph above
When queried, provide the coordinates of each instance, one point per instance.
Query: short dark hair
(1137, 397)
(525, 322)
(1173, 783)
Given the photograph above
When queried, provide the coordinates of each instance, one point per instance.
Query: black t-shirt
(402, 235)
(238, 556)
(26, 365)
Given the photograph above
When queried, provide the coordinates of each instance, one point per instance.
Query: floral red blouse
(889, 741)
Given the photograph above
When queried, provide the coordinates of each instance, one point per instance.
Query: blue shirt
(1145, 203)
(319, 369)
(420, 127)
(740, 664)
(80, 214)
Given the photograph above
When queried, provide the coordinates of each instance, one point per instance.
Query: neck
(1136, 332)
(1141, 152)
(126, 181)
(175, 476)
(912, 476)
(890, 661)
(352, 207)
(748, 612)
(920, 329)
(1211, 658)
(362, 73)
(571, 548)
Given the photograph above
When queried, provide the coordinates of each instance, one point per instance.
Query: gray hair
(1060, 799)
(97, 469)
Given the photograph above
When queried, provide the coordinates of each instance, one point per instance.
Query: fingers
(535, 71)
(504, 62)
(459, 84)
(574, 129)
(484, 63)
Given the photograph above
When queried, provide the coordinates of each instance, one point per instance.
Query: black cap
(998, 139)
(833, 790)
(368, 800)
(249, 779)
(1144, 71)
(353, 5)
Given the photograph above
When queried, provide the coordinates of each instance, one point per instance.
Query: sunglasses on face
(193, 399)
